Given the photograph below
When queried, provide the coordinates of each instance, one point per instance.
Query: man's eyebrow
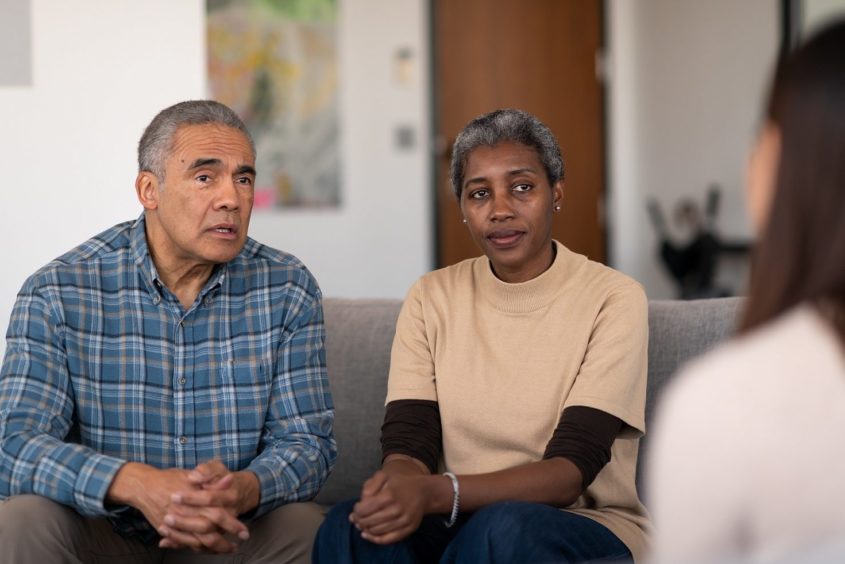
(203, 162)
(212, 162)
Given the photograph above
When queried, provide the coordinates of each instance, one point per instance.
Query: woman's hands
(390, 508)
(395, 499)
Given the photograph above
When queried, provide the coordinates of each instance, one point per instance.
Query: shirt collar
(144, 261)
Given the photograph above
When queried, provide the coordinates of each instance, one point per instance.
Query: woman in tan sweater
(517, 386)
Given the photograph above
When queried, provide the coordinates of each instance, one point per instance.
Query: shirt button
(156, 300)
(182, 380)
(183, 440)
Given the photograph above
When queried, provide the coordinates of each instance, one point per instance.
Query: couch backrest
(359, 334)
(677, 332)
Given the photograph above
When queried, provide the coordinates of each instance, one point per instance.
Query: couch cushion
(678, 332)
(359, 334)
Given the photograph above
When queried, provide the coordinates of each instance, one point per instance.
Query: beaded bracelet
(456, 499)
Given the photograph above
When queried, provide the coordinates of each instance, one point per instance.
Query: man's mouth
(226, 230)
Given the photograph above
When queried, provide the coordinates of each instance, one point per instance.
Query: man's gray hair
(503, 126)
(157, 140)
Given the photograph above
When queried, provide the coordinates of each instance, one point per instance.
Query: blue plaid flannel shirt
(103, 366)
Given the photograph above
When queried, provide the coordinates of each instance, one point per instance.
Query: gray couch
(359, 334)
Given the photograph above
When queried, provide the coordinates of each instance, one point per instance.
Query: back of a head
(801, 253)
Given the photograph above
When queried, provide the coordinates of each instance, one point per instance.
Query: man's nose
(227, 196)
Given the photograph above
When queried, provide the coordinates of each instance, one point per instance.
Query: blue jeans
(507, 532)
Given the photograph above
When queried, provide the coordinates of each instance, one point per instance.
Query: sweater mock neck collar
(531, 295)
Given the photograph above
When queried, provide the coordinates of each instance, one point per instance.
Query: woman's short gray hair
(502, 126)
(157, 140)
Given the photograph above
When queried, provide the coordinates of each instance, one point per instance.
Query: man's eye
(203, 178)
(245, 180)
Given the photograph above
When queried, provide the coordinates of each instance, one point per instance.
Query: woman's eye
(478, 194)
(522, 187)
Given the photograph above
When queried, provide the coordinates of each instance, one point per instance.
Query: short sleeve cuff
(634, 419)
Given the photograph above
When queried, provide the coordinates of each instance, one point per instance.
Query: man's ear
(147, 188)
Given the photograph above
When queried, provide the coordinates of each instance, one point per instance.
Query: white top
(748, 456)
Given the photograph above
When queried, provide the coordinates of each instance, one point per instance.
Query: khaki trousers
(36, 530)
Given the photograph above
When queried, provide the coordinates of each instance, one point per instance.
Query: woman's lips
(505, 238)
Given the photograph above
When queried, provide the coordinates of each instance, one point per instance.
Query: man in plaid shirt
(164, 385)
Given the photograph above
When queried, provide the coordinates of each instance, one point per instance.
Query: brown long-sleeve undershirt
(584, 435)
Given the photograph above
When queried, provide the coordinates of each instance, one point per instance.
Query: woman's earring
(557, 208)
(464, 220)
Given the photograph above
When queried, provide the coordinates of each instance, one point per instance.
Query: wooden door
(535, 55)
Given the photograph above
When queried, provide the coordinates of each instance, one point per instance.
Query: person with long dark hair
(747, 459)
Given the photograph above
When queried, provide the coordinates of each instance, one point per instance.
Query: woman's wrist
(439, 494)
(404, 465)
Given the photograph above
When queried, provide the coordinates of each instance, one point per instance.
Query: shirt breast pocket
(249, 381)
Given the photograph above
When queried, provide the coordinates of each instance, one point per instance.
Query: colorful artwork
(275, 63)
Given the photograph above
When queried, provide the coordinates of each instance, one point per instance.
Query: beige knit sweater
(504, 360)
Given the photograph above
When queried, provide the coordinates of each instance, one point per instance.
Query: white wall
(379, 242)
(101, 71)
(687, 85)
